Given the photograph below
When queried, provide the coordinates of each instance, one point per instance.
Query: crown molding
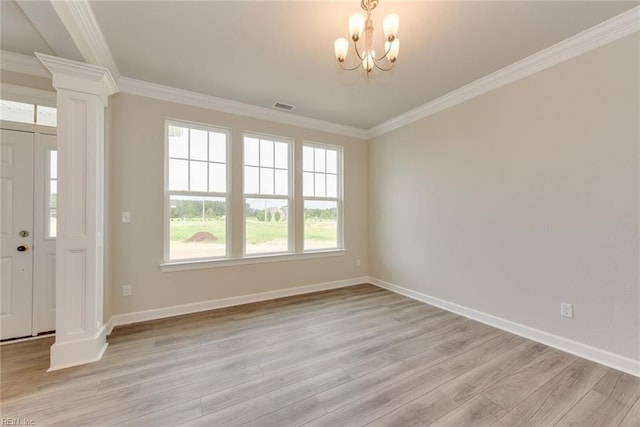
(180, 96)
(79, 20)
(594, 37)
(24, 64)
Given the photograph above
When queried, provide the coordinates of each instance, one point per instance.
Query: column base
(74, 353)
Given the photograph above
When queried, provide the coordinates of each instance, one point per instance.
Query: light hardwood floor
(353, 356)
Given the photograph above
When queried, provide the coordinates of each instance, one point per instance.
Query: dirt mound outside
(202, 236)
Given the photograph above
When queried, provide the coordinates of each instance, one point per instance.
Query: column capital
(79, 76)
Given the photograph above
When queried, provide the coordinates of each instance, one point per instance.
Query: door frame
(39, 177)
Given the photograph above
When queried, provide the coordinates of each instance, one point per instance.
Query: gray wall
(522, 198)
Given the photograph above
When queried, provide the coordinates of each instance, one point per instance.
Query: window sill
(167, 267)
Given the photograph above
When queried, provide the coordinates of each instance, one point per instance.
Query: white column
(82, 95)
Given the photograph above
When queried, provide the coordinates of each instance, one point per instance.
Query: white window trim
(339, 199)
(200, 264)
(168, 193)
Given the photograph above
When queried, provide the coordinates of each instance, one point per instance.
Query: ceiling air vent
(282, 106)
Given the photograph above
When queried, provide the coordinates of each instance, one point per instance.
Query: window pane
(217, 147)
(217, 178)
(251, 180)
(307, 158)
(251, 152)
(178, 142)
(282, 155)
(332, 185)
(319, 185)
(198, 145)
(17, 111)
(47, 116)
(266, 153)
(282, 184)
(319, 158)
(198, 175)
(266, 181)
(332, 161)
(266, 226)
(320, 225)
(52, 197)
(178, 175)
(197, 227)
(308, 184)
(53, 164)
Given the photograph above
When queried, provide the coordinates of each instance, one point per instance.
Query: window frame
(168, 193)
(339, 199)
(290, 194)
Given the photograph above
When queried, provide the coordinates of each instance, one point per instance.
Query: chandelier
(358, 25)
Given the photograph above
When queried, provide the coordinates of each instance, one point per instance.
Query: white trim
(25, 64)
(26, 94)
(594, 37)
(28, 127)
(171, 266)
(83, 77)
(178, 310)
(73, 353)
(579, 349)
(79, 20)
(184, 97)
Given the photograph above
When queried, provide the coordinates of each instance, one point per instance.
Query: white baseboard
(585, 351)
(74, 353)
(177, 310)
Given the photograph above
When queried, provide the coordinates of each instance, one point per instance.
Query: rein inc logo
(17, 422)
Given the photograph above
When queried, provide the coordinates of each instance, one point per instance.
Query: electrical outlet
(126, 291)
(566, 310)
(126, 216)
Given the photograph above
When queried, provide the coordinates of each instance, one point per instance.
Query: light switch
(126, 216)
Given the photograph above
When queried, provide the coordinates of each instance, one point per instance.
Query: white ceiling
(259, 52)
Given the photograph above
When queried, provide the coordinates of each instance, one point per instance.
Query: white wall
(522, 198)
(136, 168)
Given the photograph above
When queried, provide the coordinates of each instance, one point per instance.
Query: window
(52, 193)
(196, 191)
(28, 113)
(322, 191)
(267, 182)
(272, 221)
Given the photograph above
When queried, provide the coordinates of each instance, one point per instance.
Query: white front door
(16, 233)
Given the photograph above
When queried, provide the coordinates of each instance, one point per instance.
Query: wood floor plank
(293, 415)
(251, 409)
(348, 356)
(595, 409)
(620, 386)
(550, 402)
(484, 376)
(477, 412)
(167, 417)
(513, 389)
(383, 400)
(419, 412)
(632, 419)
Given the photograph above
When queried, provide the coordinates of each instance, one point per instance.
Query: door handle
(23, 248)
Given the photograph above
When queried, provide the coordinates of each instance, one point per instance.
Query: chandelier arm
(375, 62)
(355, 47)
(385, 54)
(349, 69)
